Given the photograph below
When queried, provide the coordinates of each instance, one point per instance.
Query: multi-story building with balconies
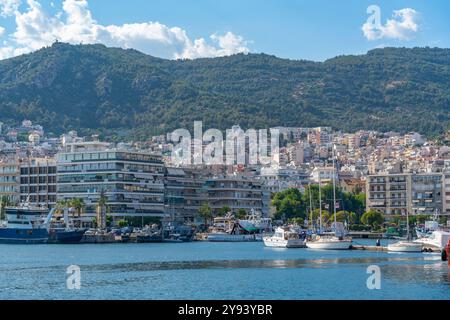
(389, 194)
(397, 194)
(132, 182)
(9, 179)
(38, 181)
(235, 193)
(427, 194)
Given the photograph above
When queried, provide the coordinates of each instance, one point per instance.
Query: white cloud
(36, 29)
(2, 31)
(9, 7)
(403, 26)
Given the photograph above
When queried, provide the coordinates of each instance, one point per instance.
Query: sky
(295, 29)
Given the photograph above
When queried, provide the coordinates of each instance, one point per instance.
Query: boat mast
(311, 207)
(334, 189)
(407, 225)
(320, 201)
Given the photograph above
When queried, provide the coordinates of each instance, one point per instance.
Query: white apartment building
(133, 182)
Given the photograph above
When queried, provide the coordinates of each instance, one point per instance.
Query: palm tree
(60, 205)
(101, 210)
(78, 205)
(205, 212)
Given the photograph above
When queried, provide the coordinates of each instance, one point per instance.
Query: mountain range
(124, 93)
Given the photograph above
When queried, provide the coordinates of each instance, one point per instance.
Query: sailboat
(406, 246)
(335, 240)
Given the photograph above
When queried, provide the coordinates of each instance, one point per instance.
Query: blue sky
(314, 30)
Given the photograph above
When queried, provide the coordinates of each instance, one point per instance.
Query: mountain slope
(123, 92)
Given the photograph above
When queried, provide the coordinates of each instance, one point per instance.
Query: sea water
(202, 270)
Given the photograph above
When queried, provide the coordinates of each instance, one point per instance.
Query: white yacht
(406, 246)
(329, 242)
(284, 238)
(438, 239)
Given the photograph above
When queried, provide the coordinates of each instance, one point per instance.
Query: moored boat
(337, 240)
(284, 238)
(329, 242)
(64, 236)
(227, 229)
(26, 225)
(405, 247)
(437, 240)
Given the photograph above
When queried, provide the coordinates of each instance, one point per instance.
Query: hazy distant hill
(115, 91)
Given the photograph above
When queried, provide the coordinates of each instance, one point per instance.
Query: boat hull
(231, 238)
(66, 237)
(23, 236)
(335, 245)
(405, 248)
(278, 243)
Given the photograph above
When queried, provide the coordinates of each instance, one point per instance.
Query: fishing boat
(284, 238)
(256, 223)
(147, 235)
(336, 240)
(236, 234)
(64, 232)
(26, 225)
(227, 229)
(176, 232)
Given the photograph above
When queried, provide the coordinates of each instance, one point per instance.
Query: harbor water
(203, 270)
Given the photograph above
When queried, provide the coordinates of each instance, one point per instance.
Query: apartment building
(38, 181)
(397, 194)
(324, 175)
(133, 182)
(184, 193)
(281, 179)
(427, 194)
(389, 194)
(235, 193)
(446, 192)
(9, 179)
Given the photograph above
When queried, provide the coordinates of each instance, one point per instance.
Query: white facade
(133, 182)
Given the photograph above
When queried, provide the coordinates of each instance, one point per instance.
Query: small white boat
(406, 247)
(329, 243)
(284, 238)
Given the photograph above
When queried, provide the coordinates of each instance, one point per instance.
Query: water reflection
(253, 264)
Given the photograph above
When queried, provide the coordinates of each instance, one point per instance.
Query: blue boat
(26, 225)
(65, 236)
